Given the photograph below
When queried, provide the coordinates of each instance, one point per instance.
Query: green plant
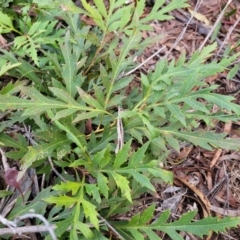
(76, 75)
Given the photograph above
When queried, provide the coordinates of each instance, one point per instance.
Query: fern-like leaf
(206, 140)
(139, 225)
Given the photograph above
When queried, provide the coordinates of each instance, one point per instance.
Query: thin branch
(226, 204)
(6, 222)
(120, 132)
(7, 45)
(27, 229)
(111, 227)
(145, 61)
(4, 160)
(28, 134)
(228, 35)
(13, 229)
(215, 25)
(55, 170)
(183, 31)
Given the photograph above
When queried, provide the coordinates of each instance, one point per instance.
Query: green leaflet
(75, 201)
(43, 103)
(79, 225)
(122, 155)
(62, 200)
(83, 228)
(30, 42)
(5, 23)
(68, 187)
(120, 18)
(123, 82)
(90, 100)
(101, 7)
(189, 83)
(12, 88)
(68, 71)
(90, 211)
(4, 193)
(139, 224)
(161, 14)
(206, 140)
(176, 113)
(25, 69)
(93, 191)
(103, 184)
(143, 180)
(20, 145)
(41, 151)
(197, 106)
(123, 184)
(13, 102)
(172, 142)
(224, 102)
(7, 67)
(138, 157)
(233, 72)
(96, 14)
(62, 226)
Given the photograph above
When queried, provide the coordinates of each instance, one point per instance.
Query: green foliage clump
(70, 74)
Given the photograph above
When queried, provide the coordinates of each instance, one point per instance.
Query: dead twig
(120, 132)
(226, 204)
(55, 170)
(216, 157)
(183, 31)
(27, 229)
(227, 36)
(214, 26)
(111, 227)
(13, 229)
(145, 61)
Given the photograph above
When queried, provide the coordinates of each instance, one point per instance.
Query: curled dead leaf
(10, 176)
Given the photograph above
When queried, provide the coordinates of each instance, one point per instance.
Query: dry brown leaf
(199, 17)
(88, 126)
(228, 127)
(215, 158)
(201, 196)
(184, 152)
(209, 181)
